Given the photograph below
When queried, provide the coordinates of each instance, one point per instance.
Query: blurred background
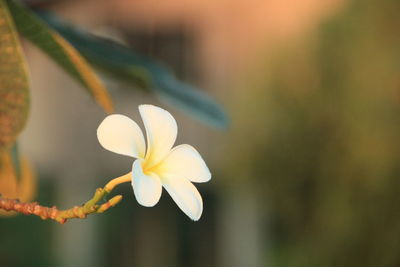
(306, 175)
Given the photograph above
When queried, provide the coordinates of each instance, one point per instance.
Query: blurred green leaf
(32, 27)
(14, 94)
(124, 63)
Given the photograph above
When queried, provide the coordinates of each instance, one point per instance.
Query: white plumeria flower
(159, 165)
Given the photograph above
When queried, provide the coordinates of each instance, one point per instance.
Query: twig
(61, 216)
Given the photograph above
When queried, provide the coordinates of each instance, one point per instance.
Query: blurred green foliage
(36, 31)
(324, 141)
(139, 71)
(14, 88)
(118, 60)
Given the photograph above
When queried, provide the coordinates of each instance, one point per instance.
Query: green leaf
(124, 63)
(14, 94)
(36, 31)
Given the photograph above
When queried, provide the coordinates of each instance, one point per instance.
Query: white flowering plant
(157, 163)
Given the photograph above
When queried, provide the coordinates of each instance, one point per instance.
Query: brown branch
(61, 216)
(53, 213)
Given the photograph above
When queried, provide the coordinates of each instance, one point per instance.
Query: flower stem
(61, 216)
(116, 181)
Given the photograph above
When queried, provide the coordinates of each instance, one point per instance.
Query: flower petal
(121, 135)
(185, 161)
(185, 195)
(161, 131)
(147, 187)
